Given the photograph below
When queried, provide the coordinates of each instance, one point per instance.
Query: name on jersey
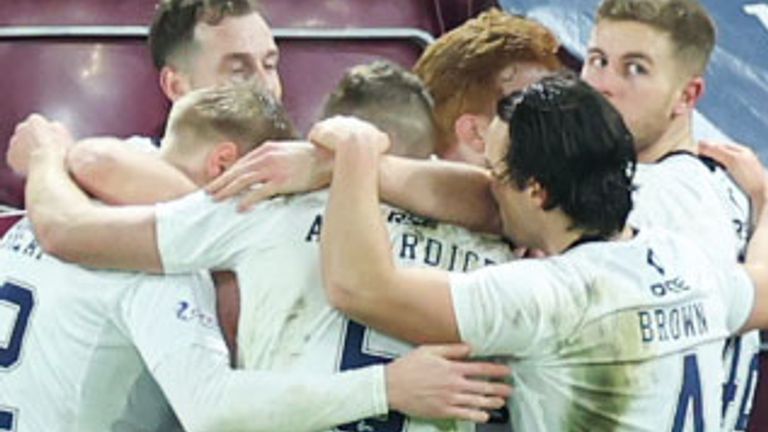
(673, 323)
(21, 240)
(418, 247)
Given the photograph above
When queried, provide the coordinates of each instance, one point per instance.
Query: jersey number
(730, 388)
(690, 395)
(20, 301)
(355, 355)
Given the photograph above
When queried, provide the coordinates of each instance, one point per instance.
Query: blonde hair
(459, 67)
(243, 113)
(689, 26)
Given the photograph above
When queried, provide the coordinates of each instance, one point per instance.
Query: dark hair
(173, 26)
(568, 138)
(690, 28)
(391, 98)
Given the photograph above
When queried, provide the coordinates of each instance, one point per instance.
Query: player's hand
(434, 382)
(344, 130)
(743, 165)
(274, 168)
(36, 134)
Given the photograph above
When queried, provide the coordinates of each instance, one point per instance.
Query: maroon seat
(76, 12)
(298, 13)
(94, 86)
(100, 80)
(7, 222)
(353, 14)
(453, 13)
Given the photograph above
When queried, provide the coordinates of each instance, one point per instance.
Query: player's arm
(116, 172)
(359, 274)
(207, 395)
(424, 305)
(451, 192)
(188, 359)
(448, 191)
(65, 220)
(750, 174)
(756, 265)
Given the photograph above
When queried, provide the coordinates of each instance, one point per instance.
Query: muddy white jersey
(620, 336)
(86, 351)
(286, 322)
(697, 198)
(68, 361)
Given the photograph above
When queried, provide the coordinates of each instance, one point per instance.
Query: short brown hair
(244, 113)
(690, 28)
(173, 27)
(459, 67)
(391, 98)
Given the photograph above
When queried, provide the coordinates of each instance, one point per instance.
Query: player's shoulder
(676, 170)
(627, 254)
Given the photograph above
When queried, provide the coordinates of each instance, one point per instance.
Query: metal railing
(418, 36)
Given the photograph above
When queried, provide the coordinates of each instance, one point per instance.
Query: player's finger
(483, 369)
(468, 414)
(256, 194)
(726, 148)
(475, 401)
(224, 179)
(486, 388)
(241, 183)
(321, 134)
(449, 351)
(718, 152)
(219, 182)
(243, 166)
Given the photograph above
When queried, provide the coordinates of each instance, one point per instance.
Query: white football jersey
(620, 336)
(77, 348)
(67, 359)
(698, 199)
(285, 321)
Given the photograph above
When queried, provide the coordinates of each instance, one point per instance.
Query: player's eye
(598, 61)
(270, 64)
(238, 70)
(635, 69)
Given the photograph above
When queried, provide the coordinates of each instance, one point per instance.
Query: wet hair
(689, 26)
(567, 137)
(244, 113)
(173, 26)
(459, 66)
(391, 98)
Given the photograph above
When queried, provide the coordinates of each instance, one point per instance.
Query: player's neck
(559, 234)
(678, 137)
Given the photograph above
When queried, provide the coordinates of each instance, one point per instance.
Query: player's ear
(223, 155)
(470, 131)
(690, 95)
(537, 193)
(174, 83)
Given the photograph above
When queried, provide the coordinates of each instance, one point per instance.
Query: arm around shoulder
(117, 173)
